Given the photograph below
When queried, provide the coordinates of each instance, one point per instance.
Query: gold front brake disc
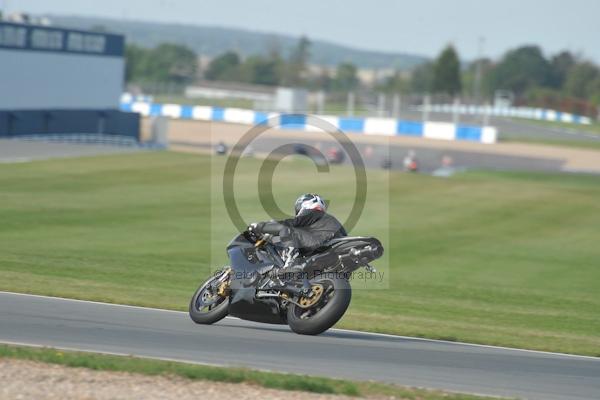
(316, 293)
(223, 289)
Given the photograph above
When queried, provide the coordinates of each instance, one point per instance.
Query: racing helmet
(309, 202)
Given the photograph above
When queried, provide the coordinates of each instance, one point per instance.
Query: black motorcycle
(258, 285)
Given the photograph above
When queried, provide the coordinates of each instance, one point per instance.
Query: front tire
(207, 307)
(335, 300)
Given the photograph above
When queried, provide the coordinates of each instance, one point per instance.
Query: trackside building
(55, 80)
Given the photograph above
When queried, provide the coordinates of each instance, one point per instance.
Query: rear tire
(337, 303)
(212, 313)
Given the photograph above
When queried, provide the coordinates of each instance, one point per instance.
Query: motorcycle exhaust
(359, 257)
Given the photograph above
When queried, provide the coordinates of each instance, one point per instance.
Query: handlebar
(263, 240)
(257, 239)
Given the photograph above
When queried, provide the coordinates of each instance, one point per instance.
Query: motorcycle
(258, 286)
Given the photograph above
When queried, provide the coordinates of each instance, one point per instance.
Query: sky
(419, 26)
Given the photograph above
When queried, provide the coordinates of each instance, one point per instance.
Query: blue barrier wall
(36, 122)
(368, 126)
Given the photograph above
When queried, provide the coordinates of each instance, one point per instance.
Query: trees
(135, 66)
(322, 81)
(173, 63)
(446, 72)
(474, 78)
(594, 91)
(563, 78)
(261, 70)
(422, 78)
(561, 64)
(521, 69)
(580, 81)
(255, 69)
(264, 70)
(224, 67)
(395, 84)
(345, 77)
(166, 63)
(298, 61)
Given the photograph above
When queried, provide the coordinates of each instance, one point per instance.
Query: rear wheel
(209, 303)
(329, 301)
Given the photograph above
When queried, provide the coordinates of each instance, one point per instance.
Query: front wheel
(207, 305)
(329, 301)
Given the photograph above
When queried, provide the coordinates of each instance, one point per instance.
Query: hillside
(210, 40)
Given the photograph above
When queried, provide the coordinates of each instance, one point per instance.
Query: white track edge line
(332, 329)
(116, 353)
(93, 302)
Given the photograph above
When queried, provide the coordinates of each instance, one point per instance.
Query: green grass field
(508, 259)
(181, 99)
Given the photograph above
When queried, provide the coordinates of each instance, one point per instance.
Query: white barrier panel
(203, 113)
(239, 116)
(439, 130)
(568, 118)
(142, 108)
(380, 126)
(171, 110)
(328, 119)
(489, 135)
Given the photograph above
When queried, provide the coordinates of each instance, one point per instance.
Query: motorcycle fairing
(247, 265)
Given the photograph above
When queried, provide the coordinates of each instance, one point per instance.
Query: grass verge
(271, 380)
(593, 144)
(593, 128)
(180, 99)
(508, 259)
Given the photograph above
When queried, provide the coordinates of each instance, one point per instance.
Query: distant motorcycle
(256, 286)
(335, 155)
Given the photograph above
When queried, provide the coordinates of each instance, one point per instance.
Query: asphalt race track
(99, 327)
(430, 159)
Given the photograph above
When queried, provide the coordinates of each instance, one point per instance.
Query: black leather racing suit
(306, 232)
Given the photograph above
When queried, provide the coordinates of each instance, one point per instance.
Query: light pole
(350, 104)
(426, 104)
(396, 104)
(381, 104)
(478, 66)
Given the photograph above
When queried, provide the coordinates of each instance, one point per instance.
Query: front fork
(223, 282)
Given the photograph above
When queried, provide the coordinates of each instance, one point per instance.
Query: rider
(309, 229)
